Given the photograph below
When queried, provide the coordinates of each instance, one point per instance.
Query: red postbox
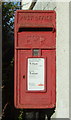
(35, 59)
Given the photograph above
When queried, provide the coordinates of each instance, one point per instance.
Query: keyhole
(24, 76)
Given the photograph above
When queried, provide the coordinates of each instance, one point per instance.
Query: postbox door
(45, 96)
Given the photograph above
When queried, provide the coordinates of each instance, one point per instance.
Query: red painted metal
(35, 29)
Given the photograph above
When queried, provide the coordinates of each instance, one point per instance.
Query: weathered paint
(35, 32)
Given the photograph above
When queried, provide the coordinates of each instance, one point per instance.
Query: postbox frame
(16, 64)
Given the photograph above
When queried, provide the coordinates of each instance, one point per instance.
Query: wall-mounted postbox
(35, 59)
